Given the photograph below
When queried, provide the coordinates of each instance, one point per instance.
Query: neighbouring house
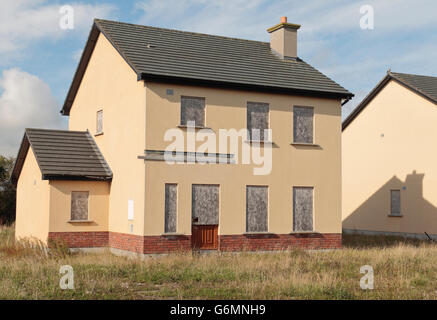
(389, 164)
(121, 178)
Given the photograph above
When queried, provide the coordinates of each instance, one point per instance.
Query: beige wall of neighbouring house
(60, 205)
(33, 194)
(292, 165)
(390, 145)
(109, 84)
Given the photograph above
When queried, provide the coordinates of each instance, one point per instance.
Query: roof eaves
(75, 178)
(243, 86)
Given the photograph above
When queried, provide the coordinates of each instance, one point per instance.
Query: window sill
(172, 234)
(181, 126)
(249, 233)
(300, 144)
(80, 221)
(98, 134)
(395, 215)
(259, 141)
(299, 232)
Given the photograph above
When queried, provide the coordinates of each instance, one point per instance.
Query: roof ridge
(180, 31)
(56, 130)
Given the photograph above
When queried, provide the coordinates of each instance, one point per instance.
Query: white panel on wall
(130, 209)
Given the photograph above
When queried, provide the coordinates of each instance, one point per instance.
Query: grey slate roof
(157, 53)
(425, 86)
(63, 154)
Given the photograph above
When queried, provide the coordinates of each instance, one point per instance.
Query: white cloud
(25, 21)
(250, 18)
(25, 101)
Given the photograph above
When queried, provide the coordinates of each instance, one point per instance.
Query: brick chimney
(283, 39)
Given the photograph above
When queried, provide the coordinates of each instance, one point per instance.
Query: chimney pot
(283, 19)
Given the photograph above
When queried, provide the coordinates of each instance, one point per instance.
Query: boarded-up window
(170, 207)
(302, 209)
(193, 111)
(256, 208)
(99, 124)
(79, 205)
(395, 202)
(303, 121)
(205, 204)
(257, 120)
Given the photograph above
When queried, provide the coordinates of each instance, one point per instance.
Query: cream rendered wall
(60, 205)
(292, 165)
(32, 202)
(390, 145)
(110, 84)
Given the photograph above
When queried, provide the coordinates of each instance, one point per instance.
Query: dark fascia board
(19, 161)
(375, 91)
(241, 86)
(75, 178)
(91, 43)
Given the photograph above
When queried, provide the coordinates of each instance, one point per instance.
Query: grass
(404, 269)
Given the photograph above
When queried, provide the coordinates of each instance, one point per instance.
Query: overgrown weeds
(403, 269)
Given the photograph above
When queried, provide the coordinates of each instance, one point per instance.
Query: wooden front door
(204, 237)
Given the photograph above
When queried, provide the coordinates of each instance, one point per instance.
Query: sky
(38, 58)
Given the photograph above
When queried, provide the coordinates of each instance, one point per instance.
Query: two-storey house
(181, 140)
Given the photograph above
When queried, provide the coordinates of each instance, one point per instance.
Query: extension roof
(424, 86)
(63, 155)
(157, 54)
